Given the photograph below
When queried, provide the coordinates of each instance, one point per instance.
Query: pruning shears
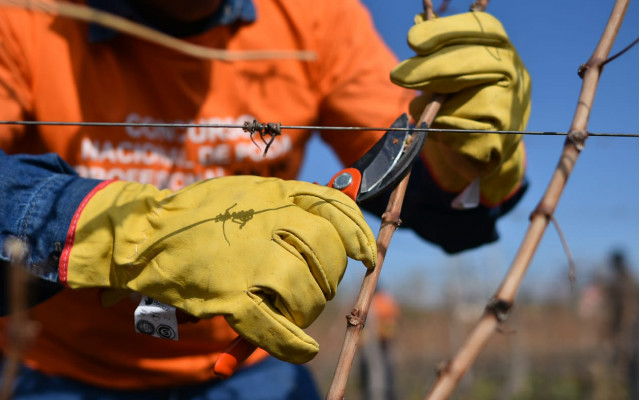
(381, 168)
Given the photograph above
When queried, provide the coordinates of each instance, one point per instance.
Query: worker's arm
(265, 253)
(39, 196)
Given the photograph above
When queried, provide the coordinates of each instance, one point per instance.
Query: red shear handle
(347, 181)
(238, 351)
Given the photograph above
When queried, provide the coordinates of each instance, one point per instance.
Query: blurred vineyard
(584, 346)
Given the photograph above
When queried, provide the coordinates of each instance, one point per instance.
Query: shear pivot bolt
(342, 181)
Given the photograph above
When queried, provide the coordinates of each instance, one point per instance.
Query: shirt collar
(230, 11)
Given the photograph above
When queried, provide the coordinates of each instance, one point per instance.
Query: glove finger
(444, 119)
(343, 213)
(505, 180)
(263, 307)
(287, 279)
(456, 68)
(254, 316)
(479, 108)
(474, 28)
(318, 244)
(271, 305)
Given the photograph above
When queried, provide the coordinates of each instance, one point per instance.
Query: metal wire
(304, 127)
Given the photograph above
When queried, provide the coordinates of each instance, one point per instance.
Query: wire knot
(271, 129)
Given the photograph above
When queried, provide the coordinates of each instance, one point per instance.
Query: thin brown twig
(613, 57)
(567, 250)
(390, 222)
(498, 308)
(358, 316)
(443, 7)
(21, 330)
(563, 240)
(479, 5)
(429, 13)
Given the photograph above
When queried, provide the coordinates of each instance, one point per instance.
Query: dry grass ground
(546, 351)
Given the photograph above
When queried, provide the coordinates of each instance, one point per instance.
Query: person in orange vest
(376, 356)
(200, 218)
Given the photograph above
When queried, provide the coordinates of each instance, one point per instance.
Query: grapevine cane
(498, 307)
(390, 222)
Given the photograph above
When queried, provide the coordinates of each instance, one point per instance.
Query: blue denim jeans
(270, 379)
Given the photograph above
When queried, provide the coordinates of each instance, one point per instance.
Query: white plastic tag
(156, 319)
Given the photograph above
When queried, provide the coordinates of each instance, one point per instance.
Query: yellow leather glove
(469, 58)
(265, 253)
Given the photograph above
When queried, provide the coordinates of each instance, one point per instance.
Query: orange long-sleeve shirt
(50, 72)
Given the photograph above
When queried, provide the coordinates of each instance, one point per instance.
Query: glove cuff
(501, 184)
(63, 266)
(453, 172)
(105, 217)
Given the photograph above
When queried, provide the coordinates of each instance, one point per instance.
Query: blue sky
(598, 211)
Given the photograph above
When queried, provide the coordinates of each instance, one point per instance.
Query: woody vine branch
(498, 307)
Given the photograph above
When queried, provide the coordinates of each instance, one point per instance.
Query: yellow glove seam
(372, 249)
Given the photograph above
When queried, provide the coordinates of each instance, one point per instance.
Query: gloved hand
(469, 58)
(265, 253)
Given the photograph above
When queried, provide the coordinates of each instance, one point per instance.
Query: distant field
(549, 351)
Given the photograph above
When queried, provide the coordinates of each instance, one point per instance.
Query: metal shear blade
(388, 161)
